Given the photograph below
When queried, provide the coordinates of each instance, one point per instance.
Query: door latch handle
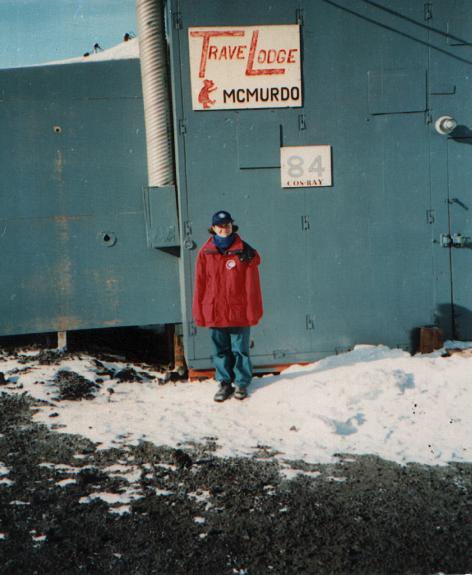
(455, 241)
(459, 241)
(445, 240)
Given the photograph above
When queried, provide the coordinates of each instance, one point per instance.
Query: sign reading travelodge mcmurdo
(245, 67)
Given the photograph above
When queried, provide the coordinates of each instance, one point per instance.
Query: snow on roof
(124, 51)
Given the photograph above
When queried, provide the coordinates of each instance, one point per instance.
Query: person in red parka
(227, 299)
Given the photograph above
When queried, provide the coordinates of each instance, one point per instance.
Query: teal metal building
(363, 227)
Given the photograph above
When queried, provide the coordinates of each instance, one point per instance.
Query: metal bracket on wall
(177, 16)
(310, 321)
(189, 244)
(162, 226)
(299, 16)
(301, 122)
(428, 10)
(460, 241)
(430, 216)
(305, 223)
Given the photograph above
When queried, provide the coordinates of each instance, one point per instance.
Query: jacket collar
(235, 248)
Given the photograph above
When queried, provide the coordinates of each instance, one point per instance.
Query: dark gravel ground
(198, 514)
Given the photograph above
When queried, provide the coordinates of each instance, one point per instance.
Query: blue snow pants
(231, 355)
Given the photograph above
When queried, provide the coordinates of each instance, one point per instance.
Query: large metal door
(451, 165)
(361, 261)
(232, 160)
(460, 208)
(460, 233)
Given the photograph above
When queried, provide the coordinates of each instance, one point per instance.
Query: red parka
(227, 289)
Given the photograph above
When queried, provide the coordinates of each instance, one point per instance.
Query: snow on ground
(4, 471)
(371, 400)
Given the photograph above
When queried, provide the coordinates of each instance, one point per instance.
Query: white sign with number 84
(305, 166)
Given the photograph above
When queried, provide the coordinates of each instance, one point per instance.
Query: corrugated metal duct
(156, 93)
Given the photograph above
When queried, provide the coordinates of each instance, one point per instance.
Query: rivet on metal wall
(108, 239)
(57, 129)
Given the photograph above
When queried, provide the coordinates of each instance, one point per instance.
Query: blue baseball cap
(221, 217)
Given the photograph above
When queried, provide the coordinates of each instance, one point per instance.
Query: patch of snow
(120, 510)
(17, 502)
(7, 482)
(200, 496)
(37, 538)
(62, 467)
(371, 400)
(290, 473)
(199, 520)
(3, 536)
(66, 482)
(112, 498)
(166, 466)
(163, 492)
(131, 474)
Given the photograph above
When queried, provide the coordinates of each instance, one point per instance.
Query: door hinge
(428, 10)
(299, 16)
(428, 118)
(310, 321)
(305, 223)
(182, 126)
(178, 20)
(430, 216)
(301, 122)
(187, 228)
(192, 329)
(188, 242)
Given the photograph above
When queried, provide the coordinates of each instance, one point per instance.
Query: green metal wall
(73, 235)
(361, 261)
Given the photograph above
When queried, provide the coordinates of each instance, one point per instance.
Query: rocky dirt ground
(67, 507)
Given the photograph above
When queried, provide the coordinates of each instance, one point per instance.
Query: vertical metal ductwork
(160, 195)
(156, 93)
(161, 200)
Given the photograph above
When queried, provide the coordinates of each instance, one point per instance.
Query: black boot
(225, 389)
(240, 393)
